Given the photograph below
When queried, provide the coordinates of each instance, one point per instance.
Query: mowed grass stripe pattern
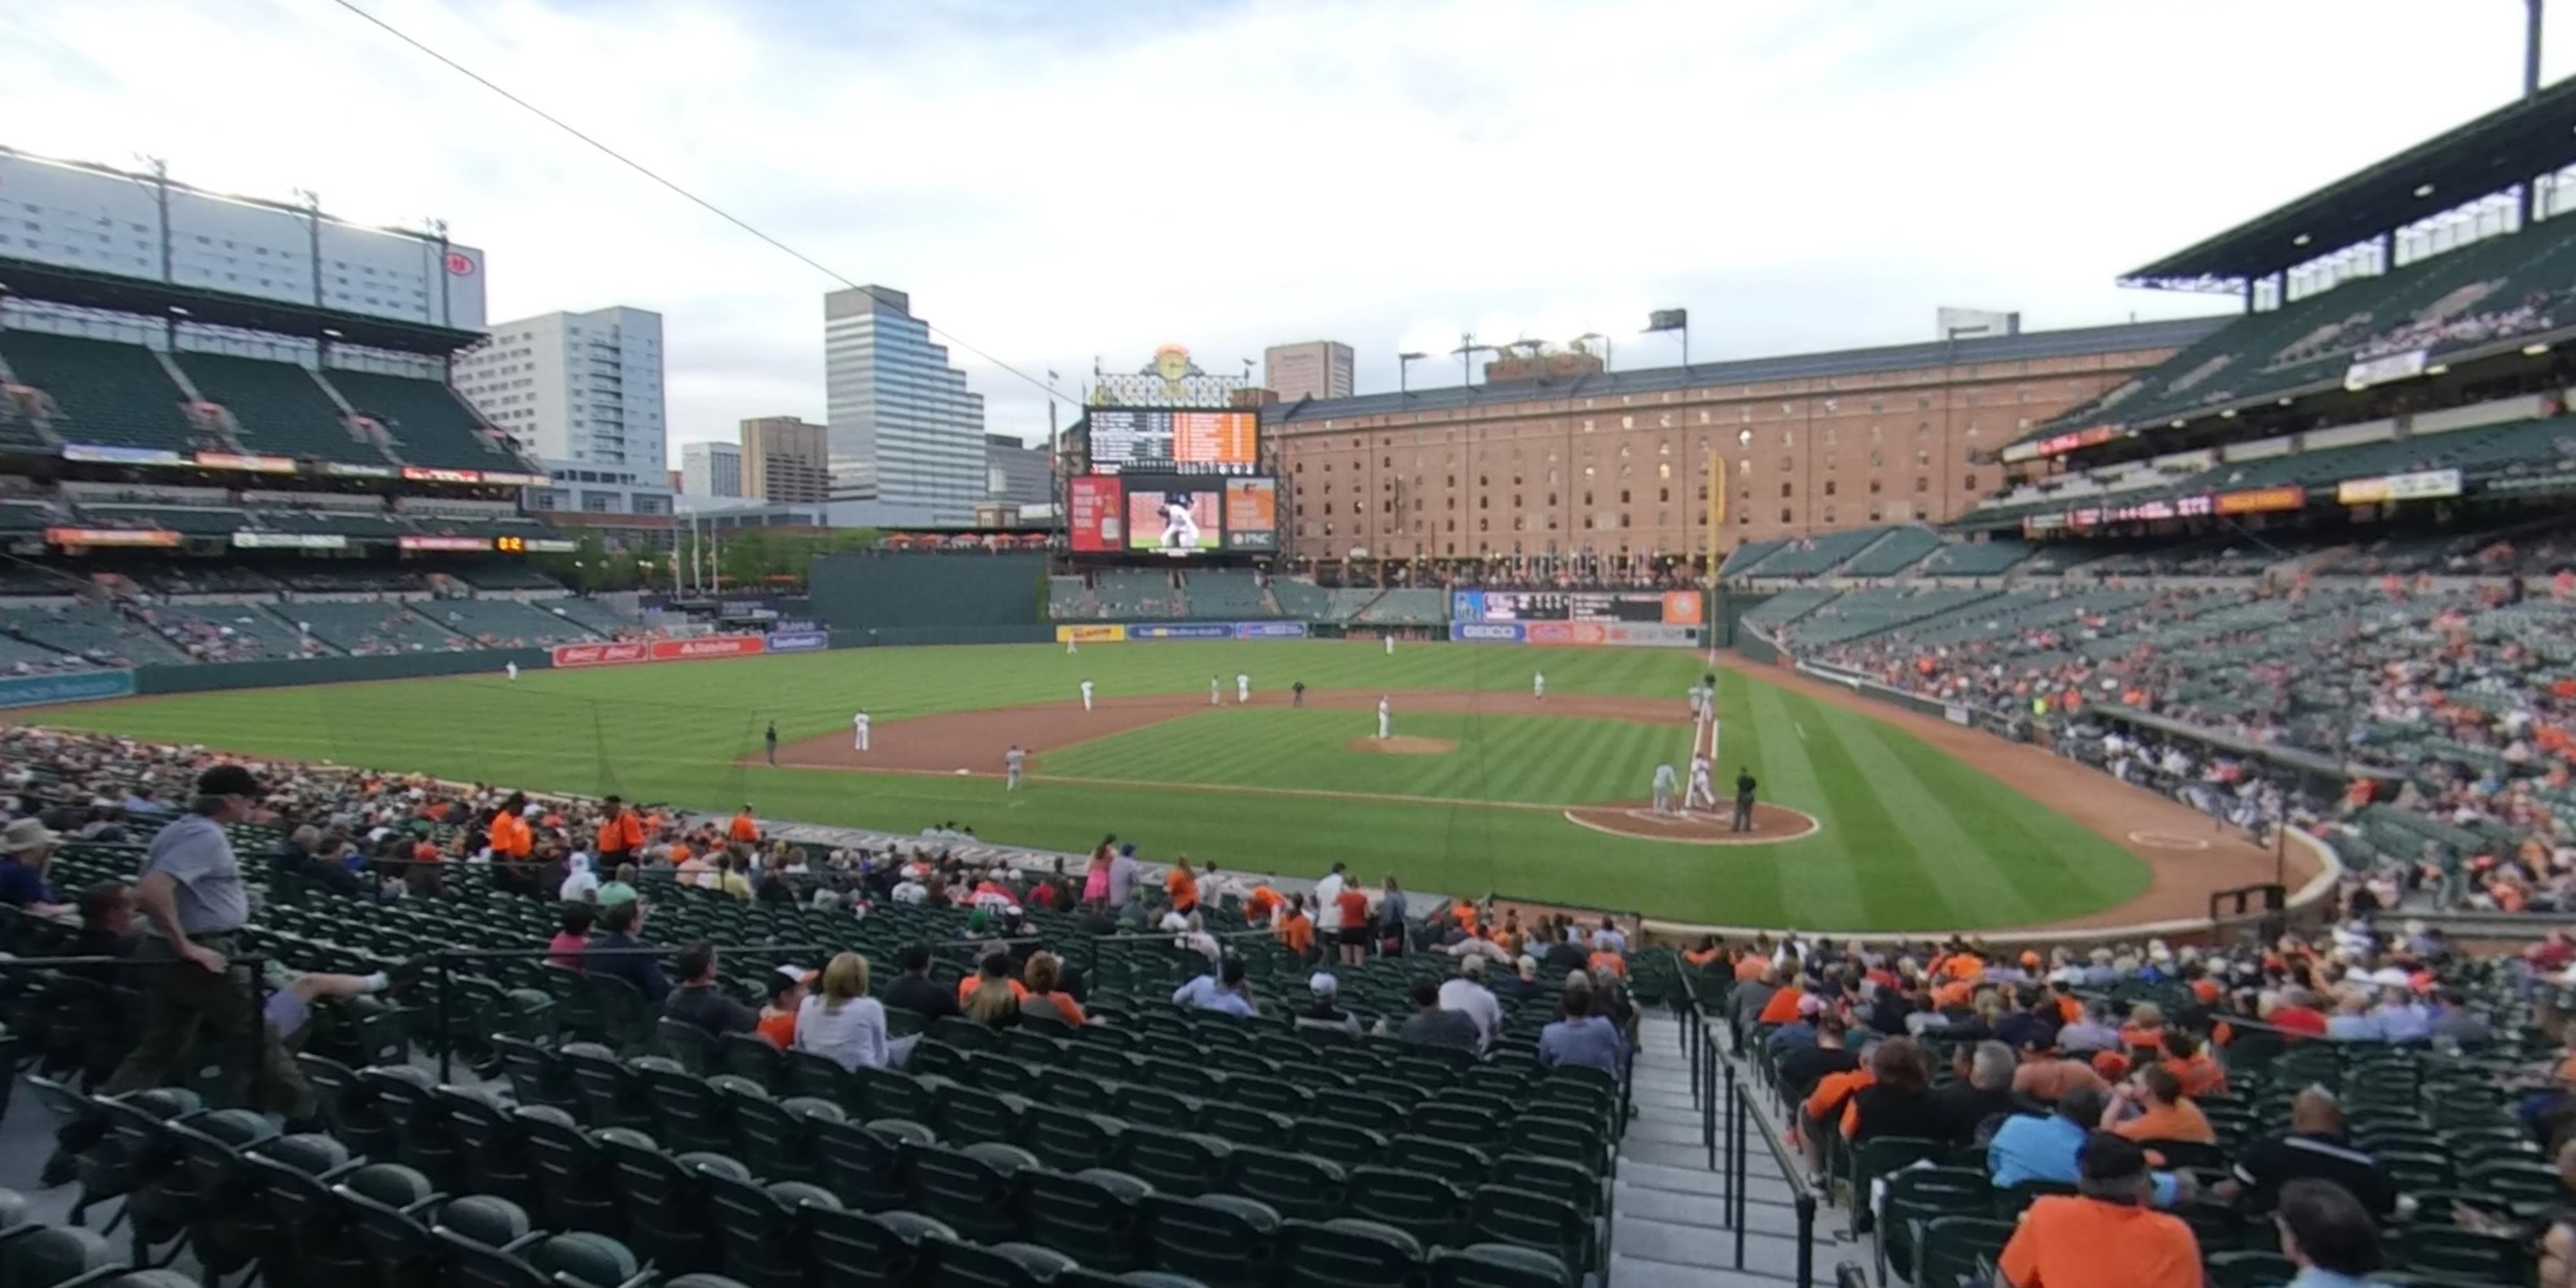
(677, 732)
(1527, 759)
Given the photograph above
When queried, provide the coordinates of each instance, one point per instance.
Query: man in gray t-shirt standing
(193, 907)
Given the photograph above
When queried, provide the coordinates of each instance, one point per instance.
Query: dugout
(874, 598)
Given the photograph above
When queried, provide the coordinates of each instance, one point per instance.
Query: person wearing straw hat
(26, 847)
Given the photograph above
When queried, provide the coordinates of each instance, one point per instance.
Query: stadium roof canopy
(2073, 341)
(89, 289)
(2508, 146)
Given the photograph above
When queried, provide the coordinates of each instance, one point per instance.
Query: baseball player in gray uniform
(1665, 781)
(1014, 762)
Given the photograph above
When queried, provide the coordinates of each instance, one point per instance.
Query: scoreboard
(1672, 607)
(1127, 440)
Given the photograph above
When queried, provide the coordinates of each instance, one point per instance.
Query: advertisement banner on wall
(2384, 368)
(798, 641)
(1649, 635)
(1682, 608)
(707, 646)
(2263, 500)
(149, 538)
(290, 541)
(1090, 634)
(80, 686)
(1580, 633)
(1271, 630)
(1485, 632)
(2424, 485)
(1251, 514)
(1183, 631)
(1097, 515)
(599, 654)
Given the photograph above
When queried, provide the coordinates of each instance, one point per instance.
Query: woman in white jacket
(841, 1023)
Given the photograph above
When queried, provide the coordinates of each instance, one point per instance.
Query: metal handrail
(1735, 1192)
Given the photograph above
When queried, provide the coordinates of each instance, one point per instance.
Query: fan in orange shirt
(1296, 930)
(1258, 905)
(742, 828)
(1181, 886)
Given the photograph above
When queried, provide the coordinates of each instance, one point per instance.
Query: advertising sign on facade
(707, 646)
(1271, 630)
(1183, 631)
(599, 654)
(78, 686)
(798, 641)
(1090, 634)
(1485, 632)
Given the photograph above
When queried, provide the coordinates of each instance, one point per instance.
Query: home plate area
(1771, 823)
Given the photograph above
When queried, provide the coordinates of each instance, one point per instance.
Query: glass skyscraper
(905, 432)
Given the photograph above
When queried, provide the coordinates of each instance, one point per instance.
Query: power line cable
(691, 197)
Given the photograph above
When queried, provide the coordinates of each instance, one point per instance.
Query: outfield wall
(894, 594)
(206, 676)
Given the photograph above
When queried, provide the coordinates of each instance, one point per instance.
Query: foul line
(1159, 785)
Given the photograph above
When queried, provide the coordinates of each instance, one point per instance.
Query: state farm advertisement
(707, 646)
(687, 650)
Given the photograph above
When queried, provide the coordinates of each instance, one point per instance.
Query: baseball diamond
(1914, 821)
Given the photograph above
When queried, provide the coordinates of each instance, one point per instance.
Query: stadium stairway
(1668, 1214)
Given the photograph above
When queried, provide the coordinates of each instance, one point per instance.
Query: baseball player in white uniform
(1384, 713)
(1702, 791)
(1180, 527)
(859, 731)
(1242, 687)
(1086, 695)
(1216, 693)
(512, 669)
(1068, 644)
(1538, 686)
(1390, 646)
(1665, 781)
(1013, 762)
(1698, 700)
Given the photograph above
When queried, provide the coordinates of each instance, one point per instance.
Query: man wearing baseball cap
(2106, 1233)
(194, 905)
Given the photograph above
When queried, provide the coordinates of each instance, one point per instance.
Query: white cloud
(1058, 182)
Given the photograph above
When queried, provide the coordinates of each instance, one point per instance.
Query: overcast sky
(1059, 180)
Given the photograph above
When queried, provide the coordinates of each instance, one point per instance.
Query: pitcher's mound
(1403, 746)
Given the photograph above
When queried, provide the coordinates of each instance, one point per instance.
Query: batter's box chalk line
(2167, 841)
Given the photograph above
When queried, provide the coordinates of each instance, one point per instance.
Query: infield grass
(1910, 838)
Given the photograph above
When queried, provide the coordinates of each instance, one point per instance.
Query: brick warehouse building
(1616, 463)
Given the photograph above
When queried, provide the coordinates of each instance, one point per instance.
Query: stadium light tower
(1607, 348)
(1403, 369)
(1467, 350)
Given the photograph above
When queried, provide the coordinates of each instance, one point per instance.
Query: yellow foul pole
(1716, 527)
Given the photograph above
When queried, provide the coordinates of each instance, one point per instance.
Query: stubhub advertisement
(798, 641)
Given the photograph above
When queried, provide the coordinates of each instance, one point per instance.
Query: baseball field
(1876, 819)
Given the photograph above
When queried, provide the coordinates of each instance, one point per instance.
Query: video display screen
(1173, 520)
(1131, 440)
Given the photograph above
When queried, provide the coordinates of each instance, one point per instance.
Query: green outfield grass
(1911, 839)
